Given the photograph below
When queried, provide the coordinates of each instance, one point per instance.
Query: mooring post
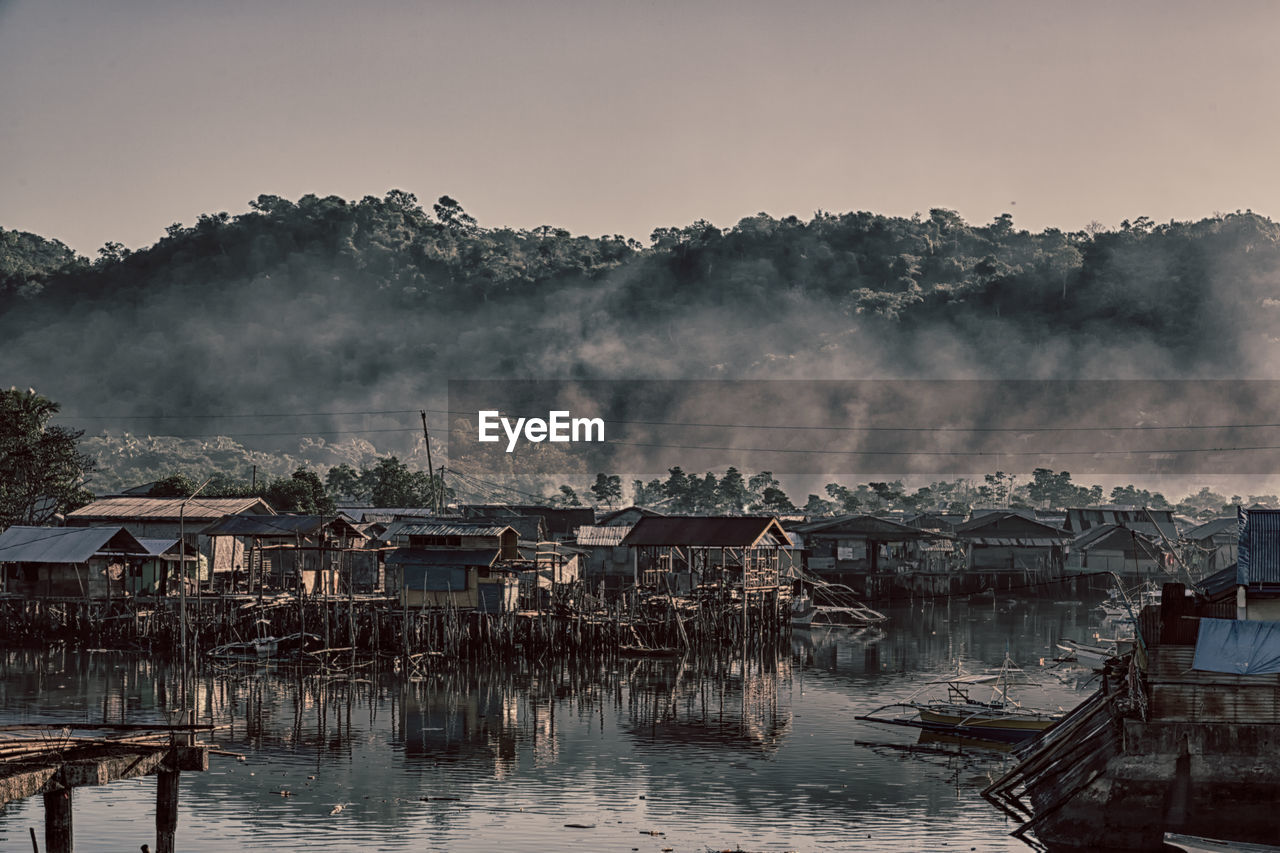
(57, 821)
(166, 810)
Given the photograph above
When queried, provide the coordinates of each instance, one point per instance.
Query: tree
(344, 481)
(567, 497)
(303, 492)
(844, 498)
(607, 489)
(391, 483)
(678, 490)
(647, 494)
(42, 471)
(733, 495)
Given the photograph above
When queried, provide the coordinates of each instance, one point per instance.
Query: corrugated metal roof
(168, 508)
(1215, 527)
(442, 528)
(601, 537)
(20, 544)
(1016, 542)
(863, 525)
(280, 526)
(1258, 554)
(156, 547)
(705, 531)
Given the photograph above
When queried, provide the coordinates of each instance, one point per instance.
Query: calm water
(648, 754)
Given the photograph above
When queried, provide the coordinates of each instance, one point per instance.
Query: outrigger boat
(844, 609)
(1000, 719)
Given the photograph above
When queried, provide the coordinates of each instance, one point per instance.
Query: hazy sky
(123, 116)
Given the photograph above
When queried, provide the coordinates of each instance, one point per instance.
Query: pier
(52, 761)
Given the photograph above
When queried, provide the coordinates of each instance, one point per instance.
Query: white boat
(999, 719)
(1197, 844)
(1086, 653)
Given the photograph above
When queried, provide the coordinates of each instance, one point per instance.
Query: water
(644, 755)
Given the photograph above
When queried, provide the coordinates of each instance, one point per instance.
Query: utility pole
(430, 467)
(182, 590)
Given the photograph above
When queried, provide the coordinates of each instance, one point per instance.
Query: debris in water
(339, 807)
(580, 825)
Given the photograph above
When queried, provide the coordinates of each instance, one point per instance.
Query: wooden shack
(681, 553)
(67, 562)
(314, 553)
(439, 564)
(162, 518)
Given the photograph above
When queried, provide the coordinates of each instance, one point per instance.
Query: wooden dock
(53, 761)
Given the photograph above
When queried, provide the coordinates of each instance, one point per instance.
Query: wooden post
(57, 822)
(166, 810)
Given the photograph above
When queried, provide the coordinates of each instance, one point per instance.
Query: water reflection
(723, 753)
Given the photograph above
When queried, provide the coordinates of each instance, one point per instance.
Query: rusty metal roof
(450, 528)
(20, 544)
(706, 531)
(281, 526)
(168, 508)
(601, 537)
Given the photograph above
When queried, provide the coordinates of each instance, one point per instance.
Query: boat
(854, 615)
(999, 719)
(832, 605)
(1196, 844)
(1095, 654)
(802, 611)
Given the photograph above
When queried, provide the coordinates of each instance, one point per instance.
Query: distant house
(680, 553)
(455, 565)
(1131, 555)
(161, 518)
(1152, 522)
(289, 551)
(1010, 542)
(606, 560)
(67, 562)
(1211, 547)
(627, 516)
(559, 523)
(1257, 570)
(863, 551)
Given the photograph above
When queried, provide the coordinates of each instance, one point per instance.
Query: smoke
(300, 337)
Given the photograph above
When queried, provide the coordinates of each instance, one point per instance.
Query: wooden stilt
(166, 810)
(57, 822)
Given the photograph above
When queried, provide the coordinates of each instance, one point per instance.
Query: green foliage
(42, 469)
(607, 489)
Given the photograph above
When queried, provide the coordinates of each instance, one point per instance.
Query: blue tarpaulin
(1242, 647)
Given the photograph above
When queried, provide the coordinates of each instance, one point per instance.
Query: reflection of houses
(1012, 545)
(440, 564)
(681, 553)
(161, 518)
(606, 560)
(1132, 555)
(70, 562)
(310, 552)
(1211, 546)
(866, 553)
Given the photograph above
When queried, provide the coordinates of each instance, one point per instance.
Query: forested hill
(322, 303)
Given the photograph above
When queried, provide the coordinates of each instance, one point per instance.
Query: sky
(607, 117)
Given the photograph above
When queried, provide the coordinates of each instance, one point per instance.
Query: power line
(236, 415)
(997, 453)
(702, 424)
